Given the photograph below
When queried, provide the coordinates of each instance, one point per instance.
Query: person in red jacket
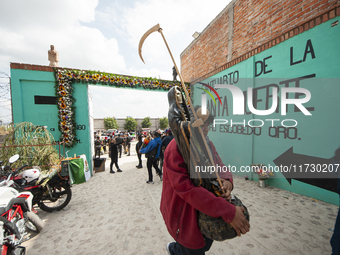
(181, 200)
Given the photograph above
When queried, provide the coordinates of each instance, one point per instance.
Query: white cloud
(27, 37)
(179, 20)
(105, 39)
(19, 15)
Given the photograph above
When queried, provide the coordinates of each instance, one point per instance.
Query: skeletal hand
(198, 122)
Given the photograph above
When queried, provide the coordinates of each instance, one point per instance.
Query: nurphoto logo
(239, 102)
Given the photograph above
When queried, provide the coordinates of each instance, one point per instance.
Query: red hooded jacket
(181, 199)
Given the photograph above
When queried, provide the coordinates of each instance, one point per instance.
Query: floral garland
(64, 90)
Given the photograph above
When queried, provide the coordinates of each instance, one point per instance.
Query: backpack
(152, 154)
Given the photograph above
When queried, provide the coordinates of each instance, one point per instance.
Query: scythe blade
(147, 33)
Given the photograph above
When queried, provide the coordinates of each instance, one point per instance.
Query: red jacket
(181, 200)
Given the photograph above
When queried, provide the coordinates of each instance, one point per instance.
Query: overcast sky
(103, 35)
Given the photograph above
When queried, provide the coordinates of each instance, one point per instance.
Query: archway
(59, 99)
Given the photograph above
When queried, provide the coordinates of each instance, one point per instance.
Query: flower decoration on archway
(64, 91)
(66, 110)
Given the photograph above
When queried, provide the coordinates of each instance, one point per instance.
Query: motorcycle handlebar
(19, 169)
(15, 172)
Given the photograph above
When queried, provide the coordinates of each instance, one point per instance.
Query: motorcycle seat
(17, 200)
(6, 208)
(24, 184)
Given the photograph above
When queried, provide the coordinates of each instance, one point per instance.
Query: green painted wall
(314, 55)
(26, 84)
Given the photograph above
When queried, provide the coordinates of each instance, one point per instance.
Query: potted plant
(263, 173)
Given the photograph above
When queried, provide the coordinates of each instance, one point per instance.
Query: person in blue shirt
(152, 151)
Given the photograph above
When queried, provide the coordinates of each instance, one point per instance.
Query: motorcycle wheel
(61, 196)
(8, 247)
(12, 251)
(10, 228)
(33, 223)
(20, 250)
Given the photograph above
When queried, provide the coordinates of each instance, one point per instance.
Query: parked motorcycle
(51, 191)
(10, 238)
(17, 218)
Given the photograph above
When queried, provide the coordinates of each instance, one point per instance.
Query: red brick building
(247, 27)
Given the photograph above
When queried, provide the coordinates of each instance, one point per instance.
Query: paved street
(119, 214)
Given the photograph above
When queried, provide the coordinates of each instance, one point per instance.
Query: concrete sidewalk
(119, 214)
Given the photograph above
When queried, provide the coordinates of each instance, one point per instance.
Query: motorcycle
(10, 238)
(51, 191)
(17, 218)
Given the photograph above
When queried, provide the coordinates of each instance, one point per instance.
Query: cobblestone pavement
(119, 214)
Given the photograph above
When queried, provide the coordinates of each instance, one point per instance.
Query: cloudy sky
(103, 35)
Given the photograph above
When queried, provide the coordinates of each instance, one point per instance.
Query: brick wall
(31, 67)
(247, 27)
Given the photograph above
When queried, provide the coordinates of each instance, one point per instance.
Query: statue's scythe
(159, 29)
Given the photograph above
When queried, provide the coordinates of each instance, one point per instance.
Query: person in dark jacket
(166, 140)
(138, 146)
(119, 140)
(113, 152)
(127, 142)
(97, 147)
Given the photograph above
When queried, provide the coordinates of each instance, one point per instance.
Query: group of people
(156, 141)
(153, 147)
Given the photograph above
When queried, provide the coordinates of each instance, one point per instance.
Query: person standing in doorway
(113, 153)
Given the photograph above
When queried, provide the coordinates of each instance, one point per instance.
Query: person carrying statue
(181, 199)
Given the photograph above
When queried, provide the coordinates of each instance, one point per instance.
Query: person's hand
(226, 189)
(240, 223)
(226, 195)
